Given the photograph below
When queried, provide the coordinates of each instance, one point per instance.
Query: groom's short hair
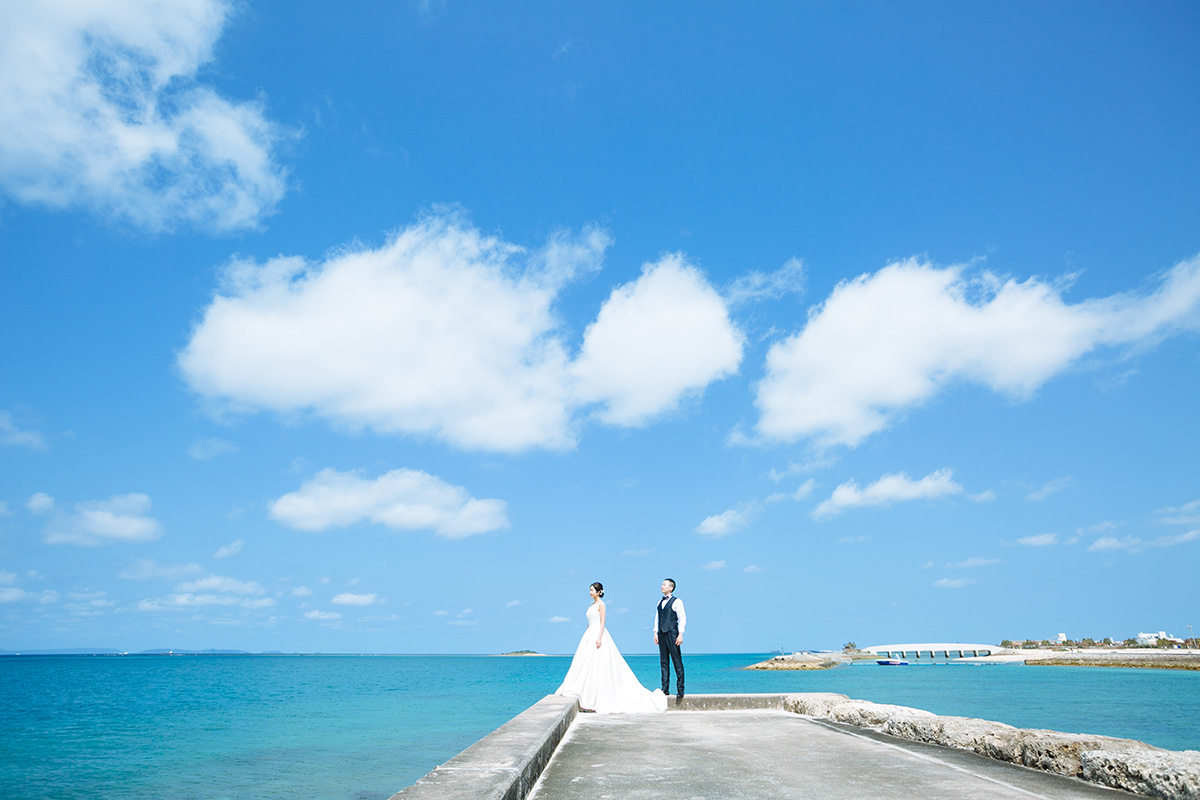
(672, 580)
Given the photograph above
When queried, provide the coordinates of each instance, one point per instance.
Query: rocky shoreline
(813, 660)
(802, 661)
(1143, 659)
(1083, 658)
(1125, 764)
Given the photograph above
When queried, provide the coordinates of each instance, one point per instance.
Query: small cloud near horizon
(230, 550)
(891, 488)
(322, 615)
(953, 583)
(726, 522)
(1052, 487)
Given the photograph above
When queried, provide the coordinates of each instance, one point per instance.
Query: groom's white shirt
(679, 612)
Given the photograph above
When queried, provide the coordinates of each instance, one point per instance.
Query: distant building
(1152, 639)
(1062, 638)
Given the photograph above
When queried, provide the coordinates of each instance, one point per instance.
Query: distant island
(523, 653)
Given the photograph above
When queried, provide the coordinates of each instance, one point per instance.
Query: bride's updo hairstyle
(599, 587)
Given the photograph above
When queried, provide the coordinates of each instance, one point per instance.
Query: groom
(669, 622)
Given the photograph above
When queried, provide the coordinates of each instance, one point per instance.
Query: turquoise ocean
(213, 727)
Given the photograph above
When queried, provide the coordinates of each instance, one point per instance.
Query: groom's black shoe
(679, 699)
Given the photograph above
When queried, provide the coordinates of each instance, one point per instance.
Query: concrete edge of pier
(506, 763)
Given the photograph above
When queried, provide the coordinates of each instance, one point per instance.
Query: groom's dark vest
(668, 620)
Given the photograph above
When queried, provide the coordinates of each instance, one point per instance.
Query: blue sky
(390, 328)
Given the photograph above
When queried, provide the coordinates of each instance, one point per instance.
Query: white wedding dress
(601, 680)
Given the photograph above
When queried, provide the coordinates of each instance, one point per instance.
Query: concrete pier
(796, 745)
(731, 755)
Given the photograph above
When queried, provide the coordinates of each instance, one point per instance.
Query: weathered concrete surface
(1124, 764)
(730, 702)
(506, 763)
(733, 755)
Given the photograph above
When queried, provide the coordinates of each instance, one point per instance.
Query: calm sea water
(363, 727)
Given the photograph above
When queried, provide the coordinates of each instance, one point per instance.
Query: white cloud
(1136, 545)
(1179, 538)
(1039, 540)
(976, 561)
(560, 619)
(753, 569)
(7, 578)
(755, 286)
(657, 339)
(208, 449)
(512, 603)
(886, 342)
(351, 599)
(1131, 543)
(189, 600)
(441, 332)
(887, 490)
(301, 591)
(802, 492)
(447, 333)
(726, 522)
(102, 109)
(87, 604)
(402, 499)
(11, 594)
(210, 590)
(121, 518)
(39, 503)
(230, 550)
(953, 583)
(714, 565)
(1186, 514)
(222, 584)
(146, 569)
(1052, 487)
(322, 615)
(9, 432)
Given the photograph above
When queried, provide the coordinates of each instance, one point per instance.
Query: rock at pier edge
(803, 661)
(1125, 764)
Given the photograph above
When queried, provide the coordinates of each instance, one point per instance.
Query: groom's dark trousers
(666, 625)
(668, 652)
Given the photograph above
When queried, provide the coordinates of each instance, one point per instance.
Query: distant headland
(1165, 653)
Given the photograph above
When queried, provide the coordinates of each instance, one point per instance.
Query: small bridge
(933, 650)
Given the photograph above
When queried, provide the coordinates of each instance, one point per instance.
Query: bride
(599, 678)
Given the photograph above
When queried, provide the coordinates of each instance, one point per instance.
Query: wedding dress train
(601, 680)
